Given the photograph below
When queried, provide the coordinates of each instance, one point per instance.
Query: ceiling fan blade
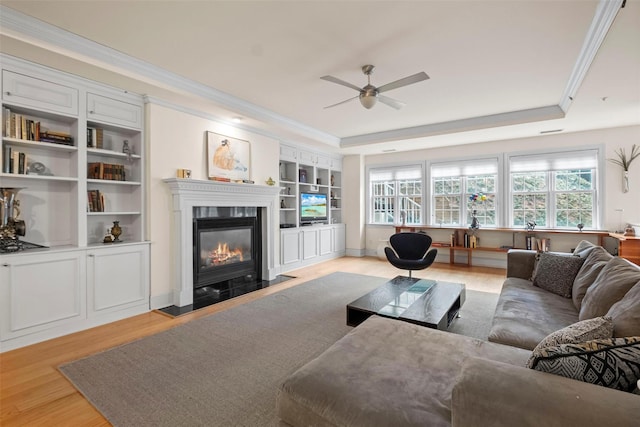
(340, 82)
(404, 82)
(342, 102)
(391, 102)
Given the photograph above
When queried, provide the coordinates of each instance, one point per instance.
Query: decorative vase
(625, 182)
(475, 224)
(116, 231)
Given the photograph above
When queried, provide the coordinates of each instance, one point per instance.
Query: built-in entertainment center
(311, 228)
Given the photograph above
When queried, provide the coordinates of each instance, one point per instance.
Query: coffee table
(425, 302)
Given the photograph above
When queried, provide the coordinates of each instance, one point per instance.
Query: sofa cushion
(613, 282)
(613, 363)
(526, 314)
(594, 261)
(626, 314)
(579, 332)
(555, 273)
(584, 248)
(384, 372)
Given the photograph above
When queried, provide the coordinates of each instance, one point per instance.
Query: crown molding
(30, 30)
(603, 19)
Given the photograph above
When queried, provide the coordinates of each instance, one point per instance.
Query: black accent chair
(410, 251)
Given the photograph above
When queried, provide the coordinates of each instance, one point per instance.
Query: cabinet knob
(91, 112)
(6, 265)
(91, 255)
(8, 93)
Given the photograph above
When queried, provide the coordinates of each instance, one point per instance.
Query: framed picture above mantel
(227, 157)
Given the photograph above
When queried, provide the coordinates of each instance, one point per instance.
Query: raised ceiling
(492, 64)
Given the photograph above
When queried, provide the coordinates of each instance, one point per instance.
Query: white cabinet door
(290, 246)
(287, 152)
(117, 278)
(107, 110)
(336, 164)
(309, 243)
(323, 161)
(41, 291)
(339, 237)
(18, 89)
(307, 157)
(326, 235)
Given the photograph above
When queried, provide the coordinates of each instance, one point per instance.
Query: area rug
(224, 369)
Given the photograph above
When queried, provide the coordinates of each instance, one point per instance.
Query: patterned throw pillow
(613, 363)
(586, 330)
(555, 273)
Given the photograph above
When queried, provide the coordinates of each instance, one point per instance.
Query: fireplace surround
(188, 194)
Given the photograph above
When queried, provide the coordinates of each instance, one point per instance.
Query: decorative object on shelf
(319, 181)
(303, 176)
(288, 191)
(270, 181)
(282, 204)
(475, 198)
(228, 157)
(126, 149)
(11, 227)
(116, 231)
(625, 162)
(629, 231)
(183, 173)
(37, 168)
(580, 226)
(333, 180)
(108, 238)
(530, 225)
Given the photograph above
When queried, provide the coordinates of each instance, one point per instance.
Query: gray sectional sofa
(390, 373)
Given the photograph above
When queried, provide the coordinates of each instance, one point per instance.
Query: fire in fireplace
(227, 255)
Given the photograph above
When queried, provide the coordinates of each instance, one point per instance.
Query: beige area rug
(224, 369)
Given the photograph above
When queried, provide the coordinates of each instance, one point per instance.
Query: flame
(223, 255)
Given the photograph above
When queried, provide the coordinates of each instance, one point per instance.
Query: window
(394, 191)
(453, 186)
(554, 190)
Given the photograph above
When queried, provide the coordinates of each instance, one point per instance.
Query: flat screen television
(313, 207)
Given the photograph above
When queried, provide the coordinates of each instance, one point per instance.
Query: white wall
(176, 139)
(613, 199)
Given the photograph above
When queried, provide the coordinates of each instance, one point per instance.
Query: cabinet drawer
(307, 157)
(18, 89)
(288, 152)
(107, 110)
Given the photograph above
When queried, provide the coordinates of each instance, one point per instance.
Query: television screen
(313, 207)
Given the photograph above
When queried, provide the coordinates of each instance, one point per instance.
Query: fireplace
(195, 200)
(227, 253)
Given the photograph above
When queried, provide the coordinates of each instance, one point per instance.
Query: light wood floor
(34, 393)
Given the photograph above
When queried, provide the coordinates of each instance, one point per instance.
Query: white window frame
(463, 168)
(395, 173)
(557, 160)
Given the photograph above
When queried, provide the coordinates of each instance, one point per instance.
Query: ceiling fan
(369, 95)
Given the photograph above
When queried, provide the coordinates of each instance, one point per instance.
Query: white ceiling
(264, 59)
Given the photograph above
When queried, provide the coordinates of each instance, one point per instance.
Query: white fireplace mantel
(190, 193)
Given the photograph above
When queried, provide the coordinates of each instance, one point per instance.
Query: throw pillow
(613, 363)
(583, 248)
(594, 262)
(579, 332)
(614, 281)
(626, 314)
(555, 273)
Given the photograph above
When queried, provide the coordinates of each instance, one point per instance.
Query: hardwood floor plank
(33, 392)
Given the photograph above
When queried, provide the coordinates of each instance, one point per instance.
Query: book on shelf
(95, 137)
(95, 201)
(15, 162)
(108, 171)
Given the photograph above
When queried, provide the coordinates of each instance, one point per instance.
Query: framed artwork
(228, 158)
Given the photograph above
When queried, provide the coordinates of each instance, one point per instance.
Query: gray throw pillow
(579, 332)
(614, 281)
(594, 262)
(613, 362)
(555, 273)
(626, 314)
(583, 248)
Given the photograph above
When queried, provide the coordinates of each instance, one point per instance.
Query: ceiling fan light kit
(369, 94)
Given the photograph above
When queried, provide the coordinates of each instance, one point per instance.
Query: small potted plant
(625, 162)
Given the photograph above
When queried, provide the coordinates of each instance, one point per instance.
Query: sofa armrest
(496, 394)
(520, 263)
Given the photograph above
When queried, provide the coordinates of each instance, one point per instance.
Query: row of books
(99, 170)
(95, 137)
(95, 201)
(538, 244)
(14, 161)
(460, 238)
(20, 127)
